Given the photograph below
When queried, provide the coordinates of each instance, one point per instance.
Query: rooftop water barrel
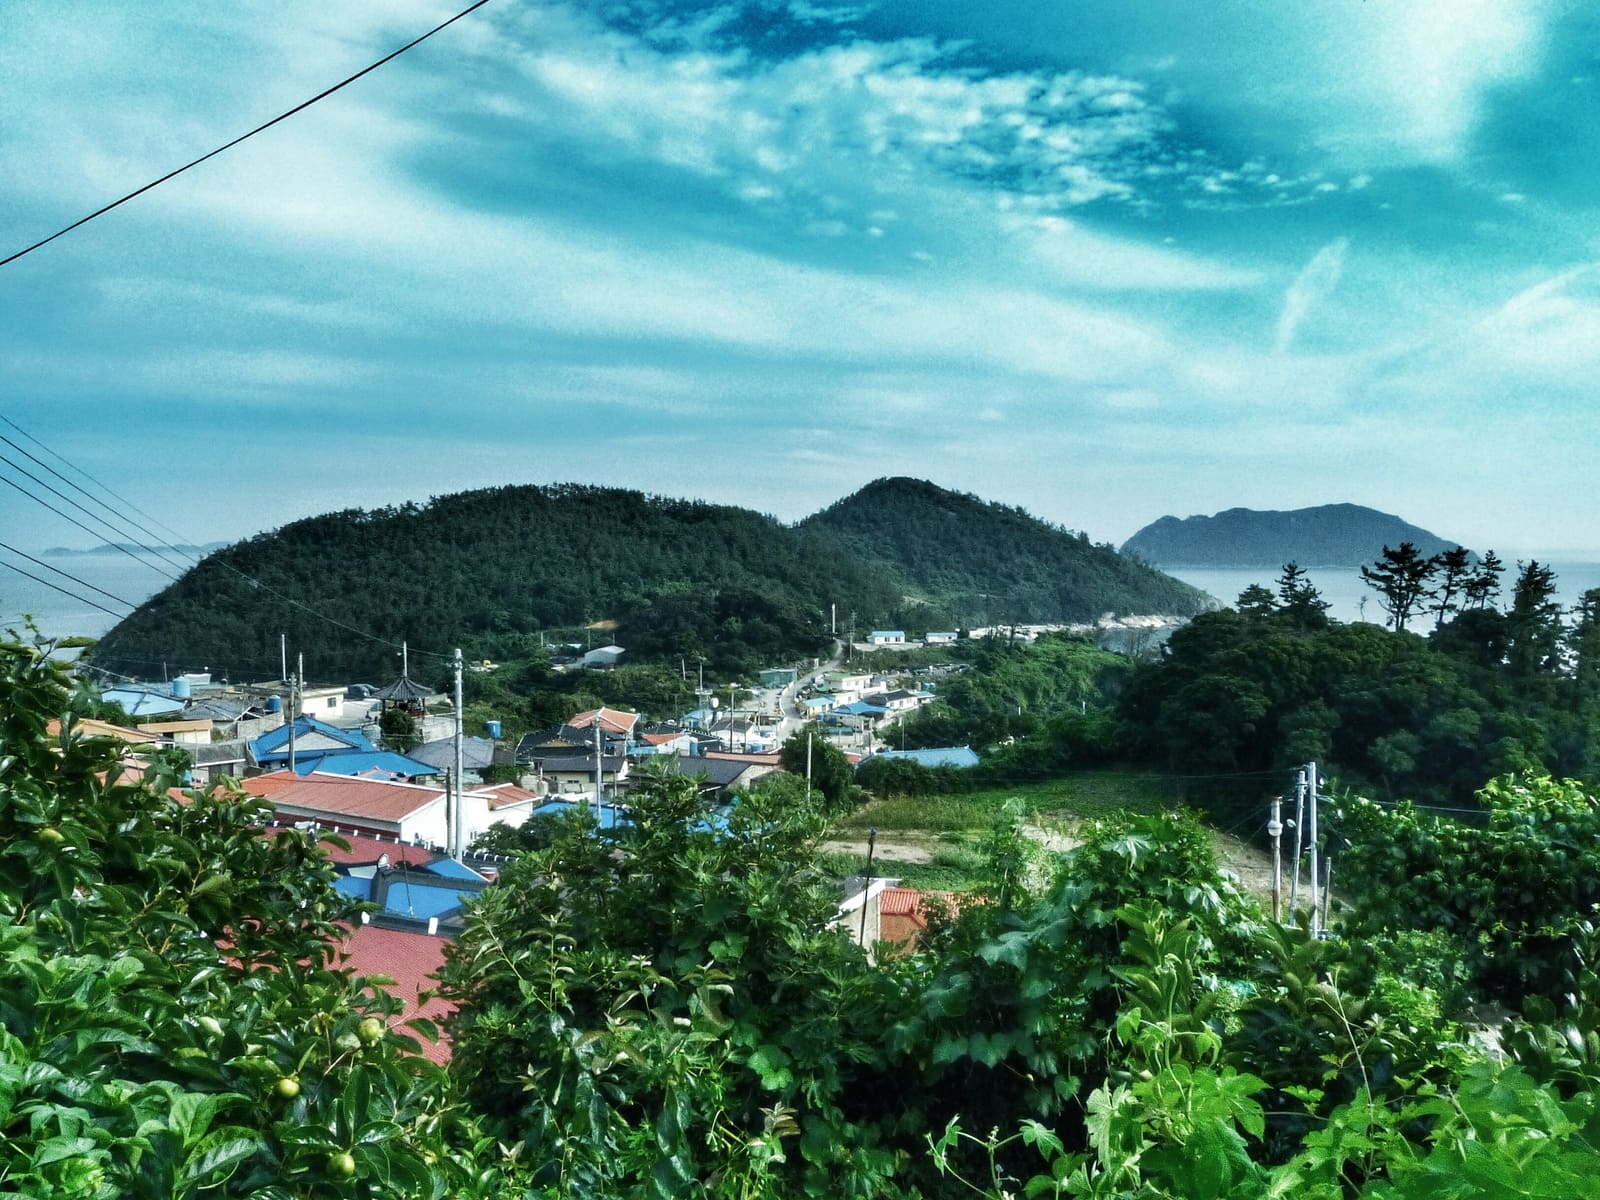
(494, 729)
(274, 704)
(180, 689)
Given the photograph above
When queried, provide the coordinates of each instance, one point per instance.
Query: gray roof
(403, 689)
(476, 753)
(221, 754)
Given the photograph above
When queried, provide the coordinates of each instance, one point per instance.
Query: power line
(89, 496)
(244, 136)
(121, 499)
(65, 575)
(92, 533)
(58, 588)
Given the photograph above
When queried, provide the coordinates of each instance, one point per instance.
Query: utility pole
(1311, 834)
(599, 784)
(866, 882)
(808, 767)
(1275, 832)
(283, 657)
(1299, 841)
(293, 714)
(460, 838)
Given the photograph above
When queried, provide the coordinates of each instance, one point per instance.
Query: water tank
(180, 689)
(494, 729)
(274, 704)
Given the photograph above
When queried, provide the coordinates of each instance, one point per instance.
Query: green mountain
(1331, 535)
(493, 571)
(983, 563)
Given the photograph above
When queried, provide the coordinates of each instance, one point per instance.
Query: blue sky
(1104, 260)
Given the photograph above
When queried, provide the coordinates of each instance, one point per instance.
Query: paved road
(788, 706)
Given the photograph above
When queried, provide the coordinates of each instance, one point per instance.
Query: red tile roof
(411, 960)
(343, 796)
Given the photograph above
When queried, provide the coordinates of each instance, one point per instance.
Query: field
(936, 842)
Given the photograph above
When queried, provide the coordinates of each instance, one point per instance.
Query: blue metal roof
(360, 762)
(273, 746)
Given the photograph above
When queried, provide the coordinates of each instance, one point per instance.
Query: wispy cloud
(1314, 283)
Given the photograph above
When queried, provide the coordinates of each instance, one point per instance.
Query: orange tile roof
(613, 719)
(343, 795)
(411, 960)
(504, 795)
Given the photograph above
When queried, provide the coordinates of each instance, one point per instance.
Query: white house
(603, 657)
(887, 637)
(408, 811)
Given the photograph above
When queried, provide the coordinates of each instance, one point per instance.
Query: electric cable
(326, 92)
(67, 575)
(90, 496)
(92, 533)
(121, 499)
(58, 588)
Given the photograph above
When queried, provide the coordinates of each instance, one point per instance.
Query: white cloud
(1314, 283)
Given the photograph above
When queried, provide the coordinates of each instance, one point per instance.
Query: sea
(84, 595)
(1350, 599)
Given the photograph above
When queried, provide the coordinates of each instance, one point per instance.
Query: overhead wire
(90, 496)
(283, 116)
(104, 487)
(64, 591)
(65, 575)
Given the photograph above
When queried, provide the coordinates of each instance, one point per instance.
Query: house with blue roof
(372, 764)
(333, 751)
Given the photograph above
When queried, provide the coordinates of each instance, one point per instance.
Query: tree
(1256, 601)
(808, 753)
(1482, 587)
(174, 1021)
(399, 729)
(1454, 568)
(1400, 577)
(1299, 599)
(1533, 623)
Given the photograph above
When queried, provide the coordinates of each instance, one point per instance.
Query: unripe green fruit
(288, 1087)
(341, 1164)
(370, 1030)
(52, 835)
(211, 1025)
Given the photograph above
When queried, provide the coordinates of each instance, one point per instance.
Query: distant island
(1329, 535)
(130, 548)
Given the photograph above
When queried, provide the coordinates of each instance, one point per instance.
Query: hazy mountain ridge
(1328, 535)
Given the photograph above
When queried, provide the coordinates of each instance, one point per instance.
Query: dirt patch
(888, 850)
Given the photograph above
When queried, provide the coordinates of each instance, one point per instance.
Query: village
(406, 829)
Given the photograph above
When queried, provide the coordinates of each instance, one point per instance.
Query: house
(860, 714)
(940, 756)
(777, 677)
(312, 739)
(611, 720)
(838, 682)
(679, 741)
(185, 733)
(940, 638)
(603, 658)
(412, 959)
(370, 807)
(477, 754)
(897, 701)
(143, 702)
(215, 760)
(371, 764)
(325, 702)
(887, 637)
(723, 775)
(565, 772)
(814, 706)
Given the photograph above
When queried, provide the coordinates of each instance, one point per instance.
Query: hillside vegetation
(495, 570)
(1330, 535)
(982, 563)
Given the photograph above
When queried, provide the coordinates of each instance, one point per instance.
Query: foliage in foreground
(675, 1015)
(175, 1024)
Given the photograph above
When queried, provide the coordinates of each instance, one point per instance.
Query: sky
(1100, 259)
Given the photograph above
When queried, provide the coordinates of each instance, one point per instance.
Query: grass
(957, 870)
(1078, 796)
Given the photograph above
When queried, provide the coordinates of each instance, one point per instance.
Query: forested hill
(489, 571)
(985, 563)
(1330, 535)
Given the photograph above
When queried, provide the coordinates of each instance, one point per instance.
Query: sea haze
(86, 613)
(1344, 591)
